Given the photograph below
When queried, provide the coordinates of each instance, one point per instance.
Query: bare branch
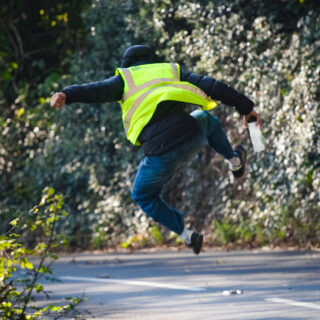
(11, 39)
(18, 38)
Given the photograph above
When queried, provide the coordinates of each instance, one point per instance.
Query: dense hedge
(267, 49)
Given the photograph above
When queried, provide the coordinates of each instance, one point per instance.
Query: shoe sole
(197, 248)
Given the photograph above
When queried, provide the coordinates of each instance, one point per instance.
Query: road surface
(259, 284)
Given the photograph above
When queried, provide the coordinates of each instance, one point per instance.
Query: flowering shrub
(280, 71)
(259, 53)
(266, 49)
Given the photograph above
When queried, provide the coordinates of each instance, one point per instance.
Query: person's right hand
(58, 100)
(253, 114)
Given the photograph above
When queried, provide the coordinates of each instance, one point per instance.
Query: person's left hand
(253, 114)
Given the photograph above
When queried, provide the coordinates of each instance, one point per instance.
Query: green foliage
(87, 156)
(153, 236)
(255, 50)
(156, 235)
(34, 60)
(266, 49)
(135, 242)
(18, 292)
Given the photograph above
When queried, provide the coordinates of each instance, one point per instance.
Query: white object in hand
(256, 137)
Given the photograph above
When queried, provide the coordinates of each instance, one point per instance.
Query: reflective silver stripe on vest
(174, 71)
(140, 99)
(134, 107)
(128, 77)
(143, 86)
(134, 89)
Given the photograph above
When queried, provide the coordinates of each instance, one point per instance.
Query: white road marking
(135, 283)
(294, 303)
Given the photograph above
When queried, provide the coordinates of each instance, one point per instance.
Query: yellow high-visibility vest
(145, 86)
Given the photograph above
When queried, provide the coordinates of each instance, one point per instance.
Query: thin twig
(22, 219)
(18, 38)
(15, 48)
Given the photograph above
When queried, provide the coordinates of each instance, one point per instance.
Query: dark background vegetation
(268, 49)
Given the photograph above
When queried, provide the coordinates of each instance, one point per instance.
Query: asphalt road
(179, 285)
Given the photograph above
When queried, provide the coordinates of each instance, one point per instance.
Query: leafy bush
(257, 53)
(37, 43)
(280, 71)
(17, 292)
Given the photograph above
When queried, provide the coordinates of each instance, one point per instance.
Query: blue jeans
(155, 171)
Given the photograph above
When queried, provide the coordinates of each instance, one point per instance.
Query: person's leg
(153, 173)
(212, 130)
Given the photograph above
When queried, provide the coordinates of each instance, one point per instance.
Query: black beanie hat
(138, 54)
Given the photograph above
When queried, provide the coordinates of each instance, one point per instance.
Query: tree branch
(18, 39)
(15, 48)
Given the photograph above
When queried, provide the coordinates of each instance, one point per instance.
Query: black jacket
(170, 125)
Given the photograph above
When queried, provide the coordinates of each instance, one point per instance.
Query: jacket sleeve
(218, 90)
(108, 90)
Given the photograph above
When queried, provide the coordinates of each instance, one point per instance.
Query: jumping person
(153, 97)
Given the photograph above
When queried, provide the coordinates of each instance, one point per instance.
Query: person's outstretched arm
(220, 91)
(108, 90)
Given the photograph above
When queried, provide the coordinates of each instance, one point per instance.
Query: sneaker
(196, 242)
(243, 158)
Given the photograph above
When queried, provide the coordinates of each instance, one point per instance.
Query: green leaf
(20, 112)
(42, 100)
(54, 256)
(39, 287)
(51, 191)
(14, 65)
(14, 222)
(125, 245)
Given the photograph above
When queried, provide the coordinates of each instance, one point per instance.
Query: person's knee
(199, 114)
(201, 118)
(141, 198)
(146, 203)
(136, 195)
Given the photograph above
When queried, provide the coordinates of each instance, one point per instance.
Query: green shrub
(266, 49)
(18, 293)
